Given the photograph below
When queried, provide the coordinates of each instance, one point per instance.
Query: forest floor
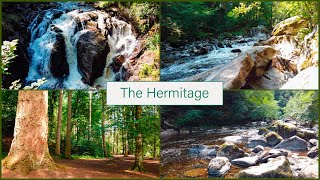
(116, 167)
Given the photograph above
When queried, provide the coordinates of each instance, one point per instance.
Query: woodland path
(116, 167)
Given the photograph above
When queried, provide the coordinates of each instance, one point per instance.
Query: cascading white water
(121, 41)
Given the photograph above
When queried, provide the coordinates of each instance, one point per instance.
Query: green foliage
(7, 54)
(303, 105)
(153, 42)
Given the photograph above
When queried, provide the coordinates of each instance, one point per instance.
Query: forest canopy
(191, 21)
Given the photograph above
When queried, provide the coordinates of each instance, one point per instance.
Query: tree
(90, 116)
(103, 121)
(58, 132)
(138, 163)
(29, 148)
(68, 134)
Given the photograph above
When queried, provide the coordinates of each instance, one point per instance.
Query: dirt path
(116, 167)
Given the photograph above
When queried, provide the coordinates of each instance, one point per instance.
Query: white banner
(164, 93)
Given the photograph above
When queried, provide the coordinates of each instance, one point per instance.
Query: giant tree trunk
(138, 163)
(103, 121)
(68, 134)
(29, 148)
(58, 132)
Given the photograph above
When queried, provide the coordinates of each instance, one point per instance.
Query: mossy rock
(263, 131)
(290, 26)
(273, 138)
(230, 151)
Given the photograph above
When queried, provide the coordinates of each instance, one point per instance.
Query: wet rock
(58, 63)
(218, 166)
(304, 167)
(220, 45)
(117, 62)
(230, 150)
(275, 168)
(202, 151)
(55, 29)
(243, 41)
(290, 26)
(294, 143)
(258, 148)
(92, 50)
(235, 139)
(252, 143)
(313, 142)
(311, 171)
(313, 152)
(246, 161)
(252, 62)
(236, 51)
(273, 138)
(308, 76)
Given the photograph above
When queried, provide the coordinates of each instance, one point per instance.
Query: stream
(183, 64)
(69, 22)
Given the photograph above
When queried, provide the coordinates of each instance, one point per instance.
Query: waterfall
(68, 22)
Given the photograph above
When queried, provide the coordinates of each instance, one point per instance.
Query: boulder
(284, 65)
(256, 142)
(117, 62)
(273, 138)
(253, 61)
(313, 142)
(304, 167)
(306, 79)
(235, 139)
(218, 166)
(286, 130)
(246, 161)
(92, 51)
(58, 63)
(273, 153)
(290, 26)
(311, 171)
(307, 134)
(263, 131)
(275, 168)
(294, 143)
(257, 149)
(313, 152)
(230, 150)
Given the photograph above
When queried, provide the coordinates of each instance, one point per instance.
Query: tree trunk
(58, 132)
(126, 132)
(68, 136)
(138, 163)
(90, 115)
(29, 148)
(103, 121)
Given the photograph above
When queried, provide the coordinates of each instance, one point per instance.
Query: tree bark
(29, 148)
(138, 163)
(68, 134)
(103, 121)
(126, 132)
(58, 132)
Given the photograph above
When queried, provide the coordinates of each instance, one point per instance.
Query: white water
(191, 65)
(121, 42)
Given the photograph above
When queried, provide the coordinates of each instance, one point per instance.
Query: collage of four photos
(57, 58)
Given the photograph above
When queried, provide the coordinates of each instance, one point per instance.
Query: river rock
(284, 65)
(273, 138)
(235, 139)
(194, 173)
(306, 79)
(236, 51)
(263, 131)
(304, 167)
(230, 150)
(252, 143)
(58, 64)
(307, 134)
(273, 153)
(290, 26)
(313, 142)
(286, 130)
(313, 152)
(218, 166)
(294, 143)
(246, 161)
(92, 51)
(202, 151)
(257, 149)
(275, 168)
(311, 171)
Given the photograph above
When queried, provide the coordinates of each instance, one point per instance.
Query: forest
(75, 134)
(255, 134)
